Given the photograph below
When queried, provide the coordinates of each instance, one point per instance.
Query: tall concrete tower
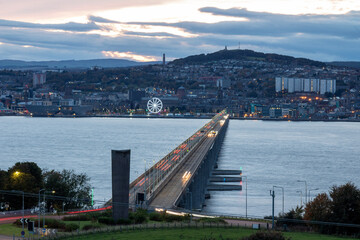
(120, 165)
(164, 59)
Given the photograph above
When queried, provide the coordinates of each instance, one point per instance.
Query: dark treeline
(63, 187)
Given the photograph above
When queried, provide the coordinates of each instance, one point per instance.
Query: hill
(345, 64)
(69, 64)
(246, 55)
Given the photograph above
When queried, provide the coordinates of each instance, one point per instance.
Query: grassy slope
(199, 233)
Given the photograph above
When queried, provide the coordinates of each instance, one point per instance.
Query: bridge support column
(120, 164)
(199, 184)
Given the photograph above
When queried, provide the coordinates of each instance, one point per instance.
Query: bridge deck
(168, 196)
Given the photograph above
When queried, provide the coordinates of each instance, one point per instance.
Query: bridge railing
(153, 177)
(220, 135)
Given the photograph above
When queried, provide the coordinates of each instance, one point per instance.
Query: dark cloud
(320, 37)
(268, 24)
(150, 34)
(71, 26)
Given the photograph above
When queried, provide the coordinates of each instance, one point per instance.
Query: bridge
(181, 178)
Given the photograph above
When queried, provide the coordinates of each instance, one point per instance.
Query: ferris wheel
(154, 105)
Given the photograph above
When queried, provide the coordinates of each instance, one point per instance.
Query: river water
(269, 153)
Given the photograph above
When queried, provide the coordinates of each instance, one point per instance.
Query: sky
(142, 30)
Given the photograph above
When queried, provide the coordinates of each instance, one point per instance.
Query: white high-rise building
(305, 85)
(291, 85)
(299, 85)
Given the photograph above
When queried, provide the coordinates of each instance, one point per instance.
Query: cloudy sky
(143, 30)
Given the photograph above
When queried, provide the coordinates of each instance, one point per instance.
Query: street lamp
(45, 206)
(23, 207)
(299, 191)
(314, 189)
(305, 189)
(282, 189)
(41, 190)
(245, 195)
(272, 194)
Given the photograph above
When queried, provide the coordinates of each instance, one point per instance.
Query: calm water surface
(270, 153)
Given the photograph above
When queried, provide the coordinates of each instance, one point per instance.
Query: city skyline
(327, 30)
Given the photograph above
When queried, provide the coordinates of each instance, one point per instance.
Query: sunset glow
(128, 55)
(179, 28)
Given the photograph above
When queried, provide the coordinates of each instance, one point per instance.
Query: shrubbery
(155, 216)
(123, 221)
(81, 217)
(71, 227)
(266, 235)
(140, 216)
(91, 226)
(54, 224)
(106, 220)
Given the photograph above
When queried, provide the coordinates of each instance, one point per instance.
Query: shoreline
(190, 117)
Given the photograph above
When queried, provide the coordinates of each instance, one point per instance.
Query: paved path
(247, 223)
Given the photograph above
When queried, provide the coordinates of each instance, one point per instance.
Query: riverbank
(189, 117)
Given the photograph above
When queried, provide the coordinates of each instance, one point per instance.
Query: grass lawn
(10, 229)
(194, 233)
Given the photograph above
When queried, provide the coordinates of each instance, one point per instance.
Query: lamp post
(299, 191)
(245, 195)
(45, 205)
(313, 189)
(282, 189)
(272, 194)
(305, 189)
(41, 190)
(23, 207)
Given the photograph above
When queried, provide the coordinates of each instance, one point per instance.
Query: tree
(26, 177)
(75, 188)
(294, 213)
(345, 203)
(342, 205)
(318, 209)
(3, 179)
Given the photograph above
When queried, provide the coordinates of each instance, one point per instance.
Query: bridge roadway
(159, 175)
(169, 195)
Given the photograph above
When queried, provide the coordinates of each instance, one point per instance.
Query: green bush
(71, 227)
(140, 216)
(91, 226)
(81, 217)
(53, 223)
(266, 235)
(123, 221)
(106, 220)
(176, 218)
(156, 216)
